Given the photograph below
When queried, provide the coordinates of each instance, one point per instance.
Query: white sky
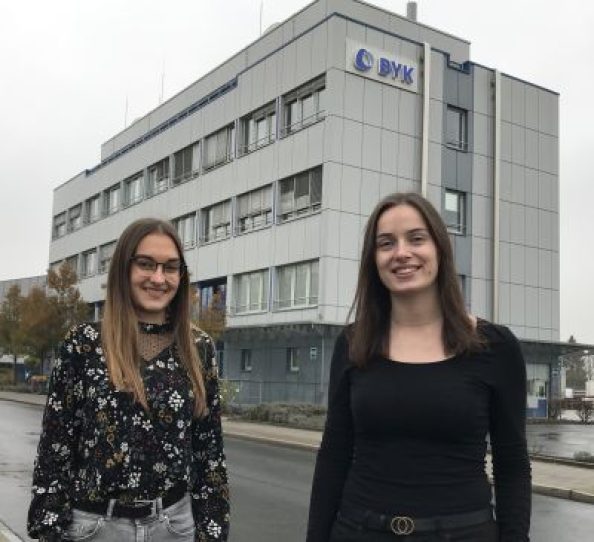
(68, 66)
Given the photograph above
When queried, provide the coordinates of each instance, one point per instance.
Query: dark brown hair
(372, 305)
(119, 328)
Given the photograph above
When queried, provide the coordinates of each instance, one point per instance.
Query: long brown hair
(119, 328)
(372, 305)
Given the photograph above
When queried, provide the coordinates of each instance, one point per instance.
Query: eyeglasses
(148, 265)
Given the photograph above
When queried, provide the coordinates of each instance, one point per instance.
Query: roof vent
(411, 11)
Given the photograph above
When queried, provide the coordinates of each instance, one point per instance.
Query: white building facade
(270, 164)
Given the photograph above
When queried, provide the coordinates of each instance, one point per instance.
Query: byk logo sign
(363, 60)
(385, 67)
(381, 66)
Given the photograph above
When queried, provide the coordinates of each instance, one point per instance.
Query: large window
(219, 147)
(72, 262)
(300, 194)
(93, 209)
(454, 211)
(258, 129)
(216, 221)
(75, 218)
(296, 285)
(133, 188)
(105, 254)
(304, 106)
(186, 163)
(254, 209)
(186, 229)
(89, 263)
(112, 199)
(60, 225)
(158, 176)
(251, 292)
(457, 128)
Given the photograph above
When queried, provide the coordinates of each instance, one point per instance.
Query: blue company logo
(363, 60)
(385, 67)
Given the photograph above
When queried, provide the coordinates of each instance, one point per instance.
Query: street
(269, 486)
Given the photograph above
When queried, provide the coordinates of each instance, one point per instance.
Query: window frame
(191, 153)
(315, 175)
(256, 302)
(459, 143)
(206, 223)
(103, 262)
(157, 173)
(136, 180)
(226, 133)
(252, 214)
(459, 228)
(246, 360)
(85, 272)
(248, 126)
(316, 90)
(60, 228)
(108, 208)
(182, 219)
(89, 218)
(312, 268)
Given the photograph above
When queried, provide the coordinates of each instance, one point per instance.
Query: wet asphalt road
(270, 488)
(560, 440)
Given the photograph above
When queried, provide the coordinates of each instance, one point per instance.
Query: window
(456, 128)
(251, 292)
(133, 187)
(89, 263)
(304, 106)
(219, 147)
(293, 361)
(112, 200)
(55, 266)
(462, 283)
(246, 361)
(216, 221)
(105, 254)
(93, 209)
(300, 194)
(186, 229)
(60, 225)
(258, 129)
(75, 218)
(73, 263)
(254, 209)
(186, 163)
(454, 211)
(158, 176)
(296, 285)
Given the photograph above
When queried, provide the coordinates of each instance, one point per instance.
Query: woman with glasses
(131, 446)
(416, 384)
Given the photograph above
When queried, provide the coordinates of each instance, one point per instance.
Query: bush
(299, 415)
(582, 455)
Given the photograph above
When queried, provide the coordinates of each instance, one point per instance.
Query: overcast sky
(68, 67)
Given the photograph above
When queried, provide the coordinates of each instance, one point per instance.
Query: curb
(6, 535)
(268, 440)
(563, 493)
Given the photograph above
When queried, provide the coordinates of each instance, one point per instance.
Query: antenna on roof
(126, 113)
(162, 84)
(261, 10)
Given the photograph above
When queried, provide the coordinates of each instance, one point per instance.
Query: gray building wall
(369, 142)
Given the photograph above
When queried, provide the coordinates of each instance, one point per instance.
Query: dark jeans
(345, 531)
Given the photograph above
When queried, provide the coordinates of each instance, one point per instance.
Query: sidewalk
(548, 478)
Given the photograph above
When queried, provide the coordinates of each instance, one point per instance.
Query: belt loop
(110, 507)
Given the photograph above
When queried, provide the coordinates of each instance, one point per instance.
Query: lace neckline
(155, 329)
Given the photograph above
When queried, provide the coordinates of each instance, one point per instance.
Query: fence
(253, 392)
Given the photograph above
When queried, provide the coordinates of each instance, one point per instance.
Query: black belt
(405, 525)
(136, 509)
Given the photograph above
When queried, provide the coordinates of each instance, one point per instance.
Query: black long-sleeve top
(410, 438)
(97, 443)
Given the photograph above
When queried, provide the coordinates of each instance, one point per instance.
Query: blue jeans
(172, 524)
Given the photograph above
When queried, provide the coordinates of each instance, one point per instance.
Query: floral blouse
(97, 442)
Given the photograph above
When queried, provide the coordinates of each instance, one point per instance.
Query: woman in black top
(415, 386)
(131, 445)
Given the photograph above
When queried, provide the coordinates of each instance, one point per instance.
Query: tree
(211, 319)
(10, 329)
(71, 308)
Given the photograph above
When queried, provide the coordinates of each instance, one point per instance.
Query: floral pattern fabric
(97, 443)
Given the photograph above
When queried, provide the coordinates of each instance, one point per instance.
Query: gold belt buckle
(402, 525)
